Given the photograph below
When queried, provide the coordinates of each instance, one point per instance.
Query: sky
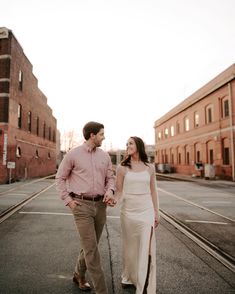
(124, 63)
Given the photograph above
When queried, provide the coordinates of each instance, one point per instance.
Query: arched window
(18, 152)
(37, 125)
(186, 124)
(19, 114)
(196, 119)
(29, 121)
(209, 113)
(225, 107)
(20, 80)
(44, 130)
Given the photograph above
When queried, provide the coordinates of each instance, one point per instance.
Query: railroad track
(17, 204)
(20, 185)
(223, 257)
(195, 228)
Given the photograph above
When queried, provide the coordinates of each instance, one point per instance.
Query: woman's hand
(109, 199)
(156, 219)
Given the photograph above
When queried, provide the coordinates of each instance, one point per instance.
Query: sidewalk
(182, 177)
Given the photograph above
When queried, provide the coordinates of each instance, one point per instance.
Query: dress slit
(149, 264)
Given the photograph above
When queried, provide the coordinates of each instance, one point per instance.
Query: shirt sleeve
(62, 174)
(110, 178)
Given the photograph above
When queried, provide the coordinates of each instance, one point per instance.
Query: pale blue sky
(124, 63)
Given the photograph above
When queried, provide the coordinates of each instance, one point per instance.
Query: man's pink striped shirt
(84, 171)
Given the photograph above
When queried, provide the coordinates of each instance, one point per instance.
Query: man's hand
(109, 199)
(72, 204)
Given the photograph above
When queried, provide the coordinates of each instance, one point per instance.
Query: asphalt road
(39, 246)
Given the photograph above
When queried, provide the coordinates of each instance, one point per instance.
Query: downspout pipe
(231, 129)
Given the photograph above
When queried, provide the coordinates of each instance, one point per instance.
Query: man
(85, 181)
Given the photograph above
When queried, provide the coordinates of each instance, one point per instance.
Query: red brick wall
(32, 100)
(206, 136)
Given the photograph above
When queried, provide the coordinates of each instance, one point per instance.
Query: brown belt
(87, 197)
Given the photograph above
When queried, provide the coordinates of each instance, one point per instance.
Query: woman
(139, 216)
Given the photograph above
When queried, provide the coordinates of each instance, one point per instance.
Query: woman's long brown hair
(140, 149)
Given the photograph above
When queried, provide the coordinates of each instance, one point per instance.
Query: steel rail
(196, 205)
(24, 184)
(14, 208)
(223, 257)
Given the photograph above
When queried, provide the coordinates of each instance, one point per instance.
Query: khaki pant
(90, 218)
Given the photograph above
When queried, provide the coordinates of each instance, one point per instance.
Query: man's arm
(62, 175)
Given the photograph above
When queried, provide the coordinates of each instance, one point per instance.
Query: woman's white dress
(137, 226)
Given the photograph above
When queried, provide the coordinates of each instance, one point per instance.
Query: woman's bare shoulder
(121, 169)
(151, 168)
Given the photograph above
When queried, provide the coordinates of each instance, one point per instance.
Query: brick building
(200, 131)
(27, 126)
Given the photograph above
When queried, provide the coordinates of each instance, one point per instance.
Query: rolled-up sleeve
(63, 173)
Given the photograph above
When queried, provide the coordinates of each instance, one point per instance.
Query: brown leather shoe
(82, 283)
(125, 286)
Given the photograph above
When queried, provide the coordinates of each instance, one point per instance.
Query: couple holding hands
(86, 184)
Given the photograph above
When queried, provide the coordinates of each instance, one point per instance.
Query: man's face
(98, 138)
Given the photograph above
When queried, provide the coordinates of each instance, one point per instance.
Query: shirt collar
(88, 149)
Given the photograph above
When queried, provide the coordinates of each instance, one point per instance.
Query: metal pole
(231, 130)
(9, 175)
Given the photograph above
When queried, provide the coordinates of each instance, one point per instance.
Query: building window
(37, 125)
(29, 121)
(54, 139)
(36, 154)
(44, 130)
(19, 116)
(179, 158)
(166, 133)
(49, 133)
(177, 127)
(18, 152)
(20, 80)
(166, 158)
(211, 156)
(225, 108)
(159, 135)
(49, 155)
(187, 158)
(196, 119)
(226, 156)
(198, 156)
(172, 158)
(186, 124)
(209, 114)
(172, 131)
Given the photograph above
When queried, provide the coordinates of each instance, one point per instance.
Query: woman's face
(131, 147)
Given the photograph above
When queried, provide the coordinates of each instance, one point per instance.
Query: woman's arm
(154, 195)
(112, 200)
(121, 170)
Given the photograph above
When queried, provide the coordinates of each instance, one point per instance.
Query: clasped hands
(109, 199)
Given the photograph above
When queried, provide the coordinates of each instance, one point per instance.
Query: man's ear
(92, 135)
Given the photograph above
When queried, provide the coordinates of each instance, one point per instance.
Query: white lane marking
(17, 194)
(46, 213)
(204, 222)
(59, 213)
(194, 204)
(53, 276)
(220, 202)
